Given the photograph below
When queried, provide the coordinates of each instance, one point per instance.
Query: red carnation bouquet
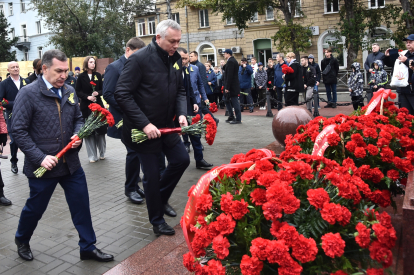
(198, 127)
(4, 101)
(98, 118)
(213, 107)
(287, 70)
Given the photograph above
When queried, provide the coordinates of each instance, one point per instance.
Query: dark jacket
(143, 100)
(331, 77)
(371, 58)
(378, 77)
(197, 83)
(32, 78)
(190, 96)
(390, 62)
(309, 76)
(211, 77)
(294, 81)
(231, 77)
(278, 81)
(318, 71)
(40, 129)
(8, 90)
(202, 71)
(270, 76)
(245, 77)
(112, 73)
(71, 81)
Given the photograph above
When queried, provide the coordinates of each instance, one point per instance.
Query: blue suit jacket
(8, 90)
(245, 79)
(211, 77)
(112, 73)
(197, 83)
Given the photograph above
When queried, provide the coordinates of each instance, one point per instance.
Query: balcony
(23, 43)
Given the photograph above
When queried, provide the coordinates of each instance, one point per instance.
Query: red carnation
(191, 190)
(204, 203)
(370, 132)
(304, 250)
(92, 83)
(360, 152)
(258, 196)
(263, 165)
(258, 248)
(239, 209)
(384, 236)
(339, 272)
(221, 247)
(381, 254)
(189, 262)
(195, 119)
(332, 213)
(250, 175)
(333, 245)
(381, 197)
(272, 210)
(225, 224)
(375, 271)
(290, 267)
(351, 146)
(333, 139)
(372, 150)
(213, 107)
(277, 252)
(225, 202)
(238, 158)
(251, 266)
(267, 179)
(384, 219)
(215, 267)
(363, 239)
(317, 197)
(387, 155)
(287, 233)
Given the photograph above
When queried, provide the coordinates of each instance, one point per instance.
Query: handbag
(400, 75)
(327, 69)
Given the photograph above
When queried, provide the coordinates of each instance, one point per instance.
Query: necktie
(56, 91)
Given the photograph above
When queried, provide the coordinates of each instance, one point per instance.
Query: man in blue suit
(8, 90)
(192, 79)
(132, 165)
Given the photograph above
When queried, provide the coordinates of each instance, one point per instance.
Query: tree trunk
(406, 6)
(288, 19)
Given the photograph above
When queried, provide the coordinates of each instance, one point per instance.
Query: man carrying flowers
(46, 116)
(150, 97)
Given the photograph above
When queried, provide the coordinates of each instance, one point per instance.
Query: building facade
(27, 25)
(209, 35)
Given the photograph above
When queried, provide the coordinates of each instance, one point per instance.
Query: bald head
(13, 69)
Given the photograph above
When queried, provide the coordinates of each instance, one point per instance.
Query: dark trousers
(261, 93)
(279, 93)
(357, 101)
(76, 193)
(291, 98)
(246, 99)
(13, 145)
(197, 146)
(159, 189)
(233, 102)
(406, 101)
(132, 169)
(204, 109)
(1, 186)
(255, 94)
(331, 92)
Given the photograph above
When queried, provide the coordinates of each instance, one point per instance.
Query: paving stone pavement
(122, 228)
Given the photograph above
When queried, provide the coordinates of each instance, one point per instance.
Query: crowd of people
(44, 112)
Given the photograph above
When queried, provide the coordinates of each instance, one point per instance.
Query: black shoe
(141, 192)
(334, 105)
(235, 122)
(227, 113)
(169, 211)
(328, 106)
(96, 255)
(202, 164)
(217, 121)
(14, 168)
(4, 201)
(187, 148)
(251, 110)
(229, 119)
(242, 110)
(134, 197)
(23, 249)
(163, 229)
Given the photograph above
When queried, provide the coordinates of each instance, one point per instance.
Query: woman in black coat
(293, 80)
(84, 90)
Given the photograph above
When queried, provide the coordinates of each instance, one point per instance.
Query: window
(230, 21)
(331, 6)
(269, 13)
(26, 55)
(2, 8)
(151, 25)
(23, 5)
(13, 35)
(10, 9)
(203, 14)
(176, 17)
(141, 27)
(40, 52)
(39, 27)
(375, 4)
(255, 17)
(298, 9)
(24, 33)
(332, 42)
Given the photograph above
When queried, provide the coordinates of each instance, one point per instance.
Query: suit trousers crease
(77, 197)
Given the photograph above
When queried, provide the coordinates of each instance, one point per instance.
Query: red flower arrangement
(213, 107)
(99, 117)
(4, 101)
(287, 70)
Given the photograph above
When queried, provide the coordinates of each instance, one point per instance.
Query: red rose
(250, 266)
(375, 271)
(225, 224)
(204, 203)
(304, 250)
(258, 196)
(221, 247)
(363, 239)
(381, 254)
(225, 202)
(317, 197)
(333, 245)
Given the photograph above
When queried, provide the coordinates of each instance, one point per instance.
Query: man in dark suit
(232, 88)
(132, 165)
(150, 93)
(33, 76)
(8, 90)
(70, 80)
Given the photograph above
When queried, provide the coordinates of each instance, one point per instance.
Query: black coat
(112, 73)
(270, 76)
(331, 77)
(309, 76)
(231, 77)
(390, 62)
(71, 81)
(32, 77)
(294, 81)
(84, 89)
(8, 90)
(39, 131)
(150, 90)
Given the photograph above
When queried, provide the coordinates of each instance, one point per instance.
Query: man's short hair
(181, 50)
(85, 63)
(194, 52)
(163, 27)
(210, 62)
(375, 44)
(254, 58)
(329, 50)
(305, 57)
(281, 55)
(48, 56)
(270, 59)
(135, 43)
(35, 63)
